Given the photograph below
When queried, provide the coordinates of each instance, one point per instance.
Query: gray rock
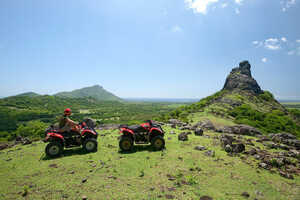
(257, 156)
(286, 175)
(240, 78)
(294, 153)
(210, 153)
(206, 198)
(263, 165)
(226, 139)
(245, 194)
(172, 132)
(183, 136)
(241, 130)
(199, 132)
(200, 148)
(206, 125)
(238, 148)
(228, 148)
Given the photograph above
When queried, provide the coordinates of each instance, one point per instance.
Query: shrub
(267, 96)
(33, 129)
(273, 122)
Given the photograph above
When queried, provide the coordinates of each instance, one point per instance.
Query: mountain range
(97, 92)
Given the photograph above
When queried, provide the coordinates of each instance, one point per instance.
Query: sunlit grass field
(178, 172)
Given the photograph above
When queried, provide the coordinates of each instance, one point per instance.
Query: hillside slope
(242, 101)
(28, 94)
(178, 172)
(96, 91)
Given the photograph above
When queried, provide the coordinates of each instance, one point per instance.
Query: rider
(66, 124)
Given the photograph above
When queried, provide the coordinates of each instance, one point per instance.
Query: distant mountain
(96, 91)
(28, 94)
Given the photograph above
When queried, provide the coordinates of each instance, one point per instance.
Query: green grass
(217, 121)
(141, 174)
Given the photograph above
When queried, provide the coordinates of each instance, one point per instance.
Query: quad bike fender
(126, 131)
(88, 133)
(53, 136)
(156, 130)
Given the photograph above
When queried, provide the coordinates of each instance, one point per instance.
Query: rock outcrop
(240, 78)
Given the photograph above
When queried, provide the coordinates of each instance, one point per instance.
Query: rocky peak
(240, 78)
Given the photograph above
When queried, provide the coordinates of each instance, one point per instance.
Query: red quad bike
(145, 133)
(87, 137)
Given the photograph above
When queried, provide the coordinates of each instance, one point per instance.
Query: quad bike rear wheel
(158, 142)
(126, 143)
(90, 145)
(54, 149)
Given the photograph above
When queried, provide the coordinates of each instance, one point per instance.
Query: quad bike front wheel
(125, 143)
(158, 142)
(90, 145)
(54, 149)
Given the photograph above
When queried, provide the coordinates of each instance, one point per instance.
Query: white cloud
(257, 43)
(224, 5)
(199, 6)
(237, 11)
(272, 44)
(176, 28)
(283, 39)
(290, 47)
(264, 60)
(286, 4)
(238, 1)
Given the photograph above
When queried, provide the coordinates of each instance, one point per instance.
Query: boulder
(286, 138)
(183, 136)
(286, 175)
(238, 148)
(200, 148)
(26, 141)
(3, 146)
(226, 139)
(240, 130)
(228, 148)
(206, 125)
(172, 132)
(175, 122)
(199, 132)
(210, 153)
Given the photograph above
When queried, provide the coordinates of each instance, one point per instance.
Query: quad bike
(87, 137)
(145, 133)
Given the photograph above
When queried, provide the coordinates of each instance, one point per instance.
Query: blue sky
(141, 48)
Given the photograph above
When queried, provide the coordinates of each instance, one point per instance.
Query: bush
(33, 130)
(273, 122)
(267, 96)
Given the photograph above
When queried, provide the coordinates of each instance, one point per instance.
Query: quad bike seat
(135, 128)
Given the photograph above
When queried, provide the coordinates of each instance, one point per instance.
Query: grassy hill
(96, 91)
(28, 94)
(242, 102)
(179, 172)
(21, 110)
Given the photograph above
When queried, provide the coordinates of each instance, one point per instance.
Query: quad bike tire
(54, 149)
(158, 143)
(126, 143)
(90, 145)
